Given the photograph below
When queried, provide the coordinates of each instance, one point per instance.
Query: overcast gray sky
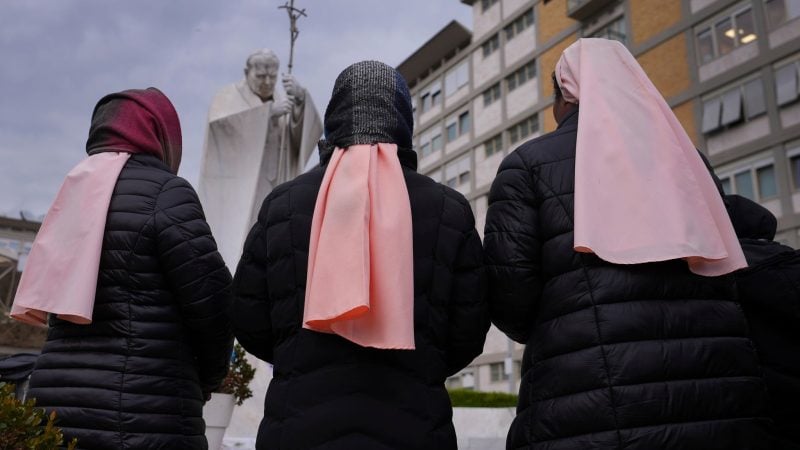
(60, 56)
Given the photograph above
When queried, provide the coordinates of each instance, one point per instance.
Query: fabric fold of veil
(642, 192)
(360, 282)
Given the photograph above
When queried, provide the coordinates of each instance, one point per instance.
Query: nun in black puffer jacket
(627, 306)
(137, 294)
(332, 252)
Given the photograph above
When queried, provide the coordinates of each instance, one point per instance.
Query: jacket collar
(569, 119)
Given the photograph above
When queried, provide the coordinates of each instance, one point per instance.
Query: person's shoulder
(553, 146)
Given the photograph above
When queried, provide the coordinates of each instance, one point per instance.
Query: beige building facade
(728, 68)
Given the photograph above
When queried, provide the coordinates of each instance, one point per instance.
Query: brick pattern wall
(667, 66)
(646, 23)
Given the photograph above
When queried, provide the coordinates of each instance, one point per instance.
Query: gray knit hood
(370, 104)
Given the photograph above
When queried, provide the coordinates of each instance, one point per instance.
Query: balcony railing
(581, 9)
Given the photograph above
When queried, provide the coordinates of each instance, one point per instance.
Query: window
(486, 4)
(430, 142)
(456, 78)
(754, 98)
(757, 182)
(491, 95)
(436, 143)
(436, 98)
(781, 11)
(521, 75)
(519, 25)
(457, 172)
(491, 45)
(463, 123)
(425, 149)
(457, 125)
(736, 105)
(523, 129)
(723, 35)
(794, 166)
(786, 84)
(452, 132)
(493, 146)
(705, 47)
(426, 101)
(497, 372)
(431, 96)
(767, 186)
(614, 30)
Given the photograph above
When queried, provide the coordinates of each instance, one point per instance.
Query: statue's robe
(246, 154)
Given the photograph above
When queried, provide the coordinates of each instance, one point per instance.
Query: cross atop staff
(294, 14)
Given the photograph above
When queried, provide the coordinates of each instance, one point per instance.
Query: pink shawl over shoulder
(360, 265)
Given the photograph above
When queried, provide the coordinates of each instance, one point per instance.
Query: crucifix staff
(285, 166)
(294, 14)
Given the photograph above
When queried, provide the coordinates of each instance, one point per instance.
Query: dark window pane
(754, 104)
(711, 114)
(744, 185)
(436, 143)
(776, 12)
(726, 186)
(425, 149)
(794, 162)
(745, 30)
(786, 84)
(731, 107)
(452, 132)
(705, 46)
(726, 36)
(767, 187)
(463, 123)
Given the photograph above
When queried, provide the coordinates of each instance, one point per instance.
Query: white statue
(257, 137)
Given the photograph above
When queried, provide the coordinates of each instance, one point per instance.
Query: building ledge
(583, 9)
(442, 46)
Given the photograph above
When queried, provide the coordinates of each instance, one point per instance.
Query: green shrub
(240, 374)
(476, 399)
(21, 426)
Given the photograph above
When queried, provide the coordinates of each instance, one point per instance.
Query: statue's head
(261, 72)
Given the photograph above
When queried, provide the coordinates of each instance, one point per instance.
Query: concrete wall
(738, 135)
(484, 21)
(737, 57)
(512, 7)
(520, 45)
(522, 99)
(483, 69)
(486, 118)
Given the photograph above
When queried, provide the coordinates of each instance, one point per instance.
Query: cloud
(60, 57)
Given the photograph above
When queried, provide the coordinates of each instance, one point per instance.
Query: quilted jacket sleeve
(468, 315)
(197, 275)
(250, 308)
(513, 250)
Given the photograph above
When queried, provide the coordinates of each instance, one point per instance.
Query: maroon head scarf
(137, 121)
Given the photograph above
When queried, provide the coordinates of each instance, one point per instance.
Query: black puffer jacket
(770, 294)
(637, 357)
(329, 393)
(135, 377)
